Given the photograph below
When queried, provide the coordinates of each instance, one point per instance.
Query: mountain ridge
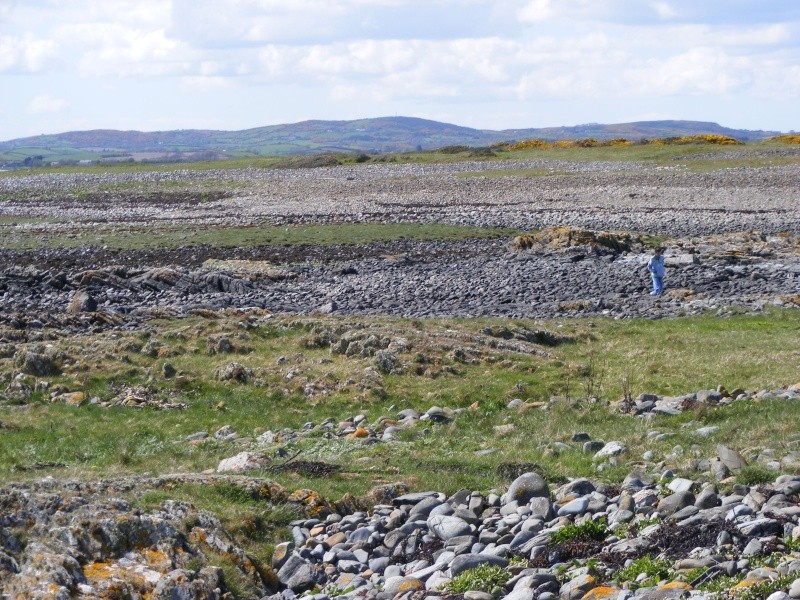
(369, 135)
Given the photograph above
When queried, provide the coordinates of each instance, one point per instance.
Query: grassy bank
(295, 378)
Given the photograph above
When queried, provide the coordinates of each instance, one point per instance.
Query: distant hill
(374, 136)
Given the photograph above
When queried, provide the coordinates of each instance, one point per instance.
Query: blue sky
(491, 64)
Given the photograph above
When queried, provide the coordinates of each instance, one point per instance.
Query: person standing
(656, 267)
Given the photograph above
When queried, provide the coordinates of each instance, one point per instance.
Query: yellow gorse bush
(709, 138)
(530, 145)
(786, 139)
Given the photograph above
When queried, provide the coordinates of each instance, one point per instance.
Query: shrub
(786, 139)
(453, 149)
(709, 138)
(617, 142)
(530, 145)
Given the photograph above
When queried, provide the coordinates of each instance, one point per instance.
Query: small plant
(763, 589)
(755, 475)
(588, 531)
(483, 578)
(654, 570)
(792, 545)
(517, 561)
(593, 376)
(720, 585)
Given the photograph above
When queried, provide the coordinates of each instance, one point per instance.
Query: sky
(154, 65)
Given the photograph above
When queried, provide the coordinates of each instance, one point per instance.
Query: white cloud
(579, 12)
(206, 24)
(510, 57)
(536, 10)
(50, 13)
(700, 70)
(674, 37)
(45, 103)
(26, 54)
(664, 10)
(114, 49)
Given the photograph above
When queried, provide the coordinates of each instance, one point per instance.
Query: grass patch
(584, 532)
(253, 521)
(295, 379)
(483, 578)
(249, 236)
(755, 475)
(653, 570)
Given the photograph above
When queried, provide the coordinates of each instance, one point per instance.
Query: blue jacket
(656, 265)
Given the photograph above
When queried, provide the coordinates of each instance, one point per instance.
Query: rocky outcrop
(72, 540)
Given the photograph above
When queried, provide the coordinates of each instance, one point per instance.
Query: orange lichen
(358, 433)
(410, 585)
(602, 592)
(676, 585)
(97, 571)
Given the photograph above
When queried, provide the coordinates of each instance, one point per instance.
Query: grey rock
(541, 508)
(753, 548)
(732, 460)
(574, 508)
(82, 301)
(577, 587)
(525, 487)
(395, 585)
(446, 527)
(423, 508)
(674, 502)
(281, 554)
(761, 527)
(681, 485)
(477, 595)
(521, 594)
(297, 574)
(593, 446)
(613, 448)
(412, 498)
(706, 431)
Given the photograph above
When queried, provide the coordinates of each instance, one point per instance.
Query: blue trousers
(658, 284)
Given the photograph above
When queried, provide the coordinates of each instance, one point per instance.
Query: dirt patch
(308, 468)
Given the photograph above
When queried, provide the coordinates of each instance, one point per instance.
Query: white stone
(611, 449)
(244, 461)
